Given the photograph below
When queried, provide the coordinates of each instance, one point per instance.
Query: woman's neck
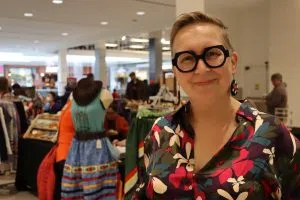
(213, 113)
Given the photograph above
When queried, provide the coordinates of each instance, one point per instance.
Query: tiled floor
(8, 191)
(20, 196)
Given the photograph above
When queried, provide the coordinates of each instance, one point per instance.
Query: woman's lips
(203, 83)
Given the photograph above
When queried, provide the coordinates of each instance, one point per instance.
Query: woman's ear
(234, 60)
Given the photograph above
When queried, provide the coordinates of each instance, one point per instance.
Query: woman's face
(204, 84)
(49, 98)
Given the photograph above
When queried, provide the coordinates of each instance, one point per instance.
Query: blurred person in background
(154, 87)
(116, 125)
(115, 95)
(277, 98)
(53, 83)
(135, 88)
(90, 76)
(18, 90)
(46, 82)
(51, 105)
(4, 87)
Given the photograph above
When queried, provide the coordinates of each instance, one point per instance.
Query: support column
(189, 6)
(100, 68)
(63, 71)
(155, 56)
(284, 31)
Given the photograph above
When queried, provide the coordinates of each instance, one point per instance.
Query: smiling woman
(214, 147)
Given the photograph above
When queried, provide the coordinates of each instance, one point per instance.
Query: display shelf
(43, 127)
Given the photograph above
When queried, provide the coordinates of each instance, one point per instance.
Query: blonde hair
(198, 18)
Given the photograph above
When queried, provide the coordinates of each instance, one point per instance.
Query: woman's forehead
(195, 37)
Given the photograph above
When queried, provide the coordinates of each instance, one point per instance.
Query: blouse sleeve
(288, 163)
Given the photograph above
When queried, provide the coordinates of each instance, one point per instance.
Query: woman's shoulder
(164, 125)
(266, 125)
(270, 126)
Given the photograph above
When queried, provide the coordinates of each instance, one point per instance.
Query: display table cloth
(135, 153)
(30, 155)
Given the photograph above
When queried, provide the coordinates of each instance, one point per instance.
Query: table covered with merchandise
(38, 140)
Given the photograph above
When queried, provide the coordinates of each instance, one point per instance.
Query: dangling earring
(178, 94)
(234, 88)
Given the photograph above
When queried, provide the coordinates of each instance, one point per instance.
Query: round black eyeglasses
(213, 57)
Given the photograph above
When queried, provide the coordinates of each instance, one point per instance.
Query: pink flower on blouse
(240, 167)
(180, 178)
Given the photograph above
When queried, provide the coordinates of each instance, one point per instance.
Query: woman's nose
(201, 67)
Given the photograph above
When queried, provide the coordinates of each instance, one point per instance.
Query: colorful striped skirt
(90, 171)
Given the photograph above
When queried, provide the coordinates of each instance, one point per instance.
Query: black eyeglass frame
(202, 56)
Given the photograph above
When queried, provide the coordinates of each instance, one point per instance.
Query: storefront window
(22, 76)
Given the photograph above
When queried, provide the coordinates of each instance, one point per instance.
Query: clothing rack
(13, 123)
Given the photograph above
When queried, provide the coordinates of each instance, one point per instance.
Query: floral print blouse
(261, 160)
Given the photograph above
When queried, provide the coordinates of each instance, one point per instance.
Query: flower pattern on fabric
(190, 163)
(179, 181)
(271, 154)
(175, 138)
(260, 161)
(236, 183)
(226, 195)
(240, 167)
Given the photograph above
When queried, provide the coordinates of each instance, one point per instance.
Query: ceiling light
(166, 48)
(136, 46)
(164, 41)
(103, 23)
(111, 45)
(28, 14)
(65, 34)
(36, 41)
(124, 38)
(140, 13)
(139, 40)
(57, 1)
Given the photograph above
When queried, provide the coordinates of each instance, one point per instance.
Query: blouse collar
(245, 112)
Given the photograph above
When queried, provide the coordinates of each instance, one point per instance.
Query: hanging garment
(3, 148)
(22, 117)
(7, 142)
(91, 167)
(11, 127)
(46, 176)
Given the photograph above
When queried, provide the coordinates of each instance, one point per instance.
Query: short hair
(132, 74)
(90, 76)
(53, 95)
(16, 86)
(276, 76)
(4, 87)
(197, 17)
(114, 106)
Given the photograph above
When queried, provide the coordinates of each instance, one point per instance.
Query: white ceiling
(81, 19)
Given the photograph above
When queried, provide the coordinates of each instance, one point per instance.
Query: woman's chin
(207, 97)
